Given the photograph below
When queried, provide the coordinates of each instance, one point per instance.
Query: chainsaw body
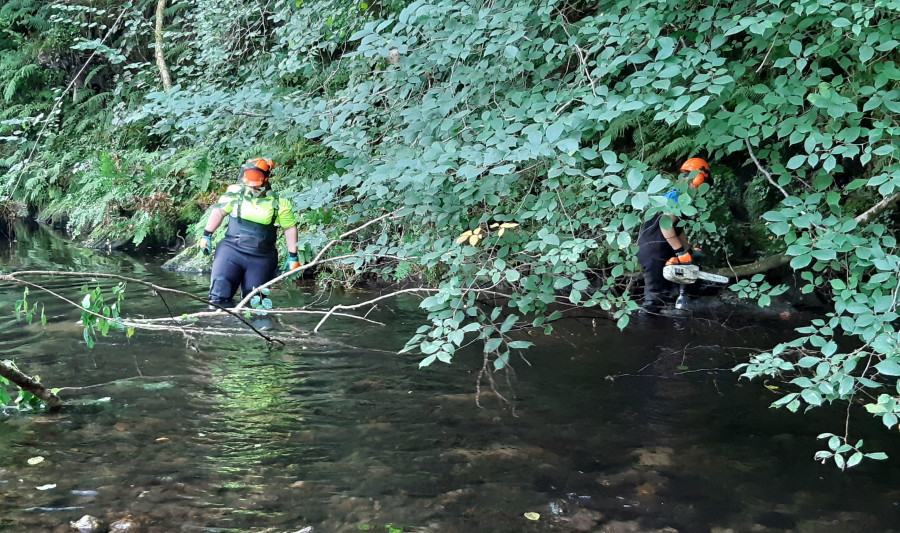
(687, 274)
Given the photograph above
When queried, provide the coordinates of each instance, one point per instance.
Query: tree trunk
(160, 58)
(26, 383)
(763, 265)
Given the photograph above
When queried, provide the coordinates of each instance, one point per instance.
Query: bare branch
(864, 218)
(394, 294)
(763, 170)
(316, 260)
(370, 302)
(14, 278)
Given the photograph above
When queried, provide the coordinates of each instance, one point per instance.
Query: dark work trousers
(233, 268)
(653, 252)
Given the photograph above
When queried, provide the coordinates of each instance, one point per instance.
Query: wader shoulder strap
(274, 211)
(241, 200)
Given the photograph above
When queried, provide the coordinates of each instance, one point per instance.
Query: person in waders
(659, 246)
(247, 256)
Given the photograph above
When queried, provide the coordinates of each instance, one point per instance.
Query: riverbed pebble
(125, 524)
(87, 524)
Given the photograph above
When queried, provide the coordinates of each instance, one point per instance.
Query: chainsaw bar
(687, 274)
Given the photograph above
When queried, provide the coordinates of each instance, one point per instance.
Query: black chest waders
(246, 257)
(653, 253)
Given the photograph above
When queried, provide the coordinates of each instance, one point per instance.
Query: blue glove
(672, 195)
(205, 243)
(292, 262)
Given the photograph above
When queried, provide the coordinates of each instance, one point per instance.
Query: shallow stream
(644, 430)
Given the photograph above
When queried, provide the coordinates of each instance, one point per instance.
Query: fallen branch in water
(774, 261)
(25, 382)
(179, 323)
(137, 324)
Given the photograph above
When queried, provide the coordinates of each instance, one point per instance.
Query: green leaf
(888, 367)
(554, 131)
(840, 22)
(492, 344)
(695, 119)
(796, 162)
(866, 53)
(520, 345)
(801, 261)
(658, 184)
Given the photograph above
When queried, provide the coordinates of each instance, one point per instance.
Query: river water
(642, 430)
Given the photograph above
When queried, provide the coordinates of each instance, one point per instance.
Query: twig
(763, 170)
(315, 261)
(113, 382)
(766, 58)
(370, 302)
(280, 311)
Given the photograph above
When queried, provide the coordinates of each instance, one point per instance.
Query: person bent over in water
(247, 256)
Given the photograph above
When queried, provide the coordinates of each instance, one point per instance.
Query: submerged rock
(189, 260)
(125, 524)
(87, 524)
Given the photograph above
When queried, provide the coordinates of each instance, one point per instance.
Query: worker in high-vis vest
(247, 256)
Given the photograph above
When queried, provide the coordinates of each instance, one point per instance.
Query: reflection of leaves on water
(47, 249)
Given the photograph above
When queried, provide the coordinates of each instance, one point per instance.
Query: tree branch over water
(774, 261)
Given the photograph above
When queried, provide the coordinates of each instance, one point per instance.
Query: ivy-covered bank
(547, 129)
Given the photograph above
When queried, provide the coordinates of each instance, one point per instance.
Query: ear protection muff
(255, 172)
(695, 163)
(699, 179)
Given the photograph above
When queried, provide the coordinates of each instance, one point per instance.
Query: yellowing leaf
(473, 240)
(771, 387)
(162, 439)
(532, 516)
(36, 460)
(476, 231)
(500, 233)
(464, 236)
(494, 225)
(509, 225)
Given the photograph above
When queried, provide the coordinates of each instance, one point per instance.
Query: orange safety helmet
(255, 172)
(695, 163)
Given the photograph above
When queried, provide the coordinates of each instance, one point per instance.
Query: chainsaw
(687, 274)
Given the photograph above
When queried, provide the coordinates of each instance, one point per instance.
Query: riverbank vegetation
(520, 144)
